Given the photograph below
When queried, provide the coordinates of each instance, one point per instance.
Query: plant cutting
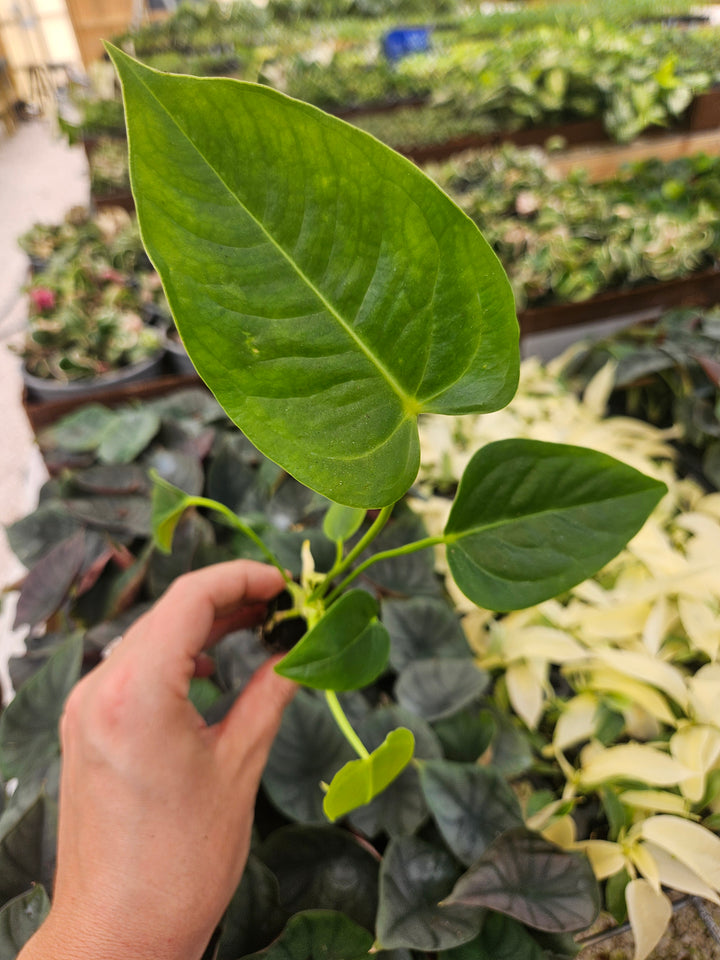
(328, 301)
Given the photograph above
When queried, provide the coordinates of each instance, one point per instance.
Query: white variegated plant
(639, 642)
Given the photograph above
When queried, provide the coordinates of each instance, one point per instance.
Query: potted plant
(330, 294)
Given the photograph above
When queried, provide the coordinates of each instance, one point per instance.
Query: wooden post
(98, 20)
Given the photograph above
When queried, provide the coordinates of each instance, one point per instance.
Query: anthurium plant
(329, 294)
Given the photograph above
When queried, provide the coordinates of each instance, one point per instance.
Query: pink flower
(42, 298)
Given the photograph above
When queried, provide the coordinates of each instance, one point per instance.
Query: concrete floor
(41, 177)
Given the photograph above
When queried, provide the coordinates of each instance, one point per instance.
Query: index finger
(178, 627)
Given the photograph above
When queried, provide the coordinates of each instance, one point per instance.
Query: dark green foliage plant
(666, 372)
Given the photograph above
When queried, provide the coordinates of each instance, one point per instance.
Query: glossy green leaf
(414, 877)
(319, 935)
(29, 740)
(128, 435)
(440, 687)
(323, 868)
(362, 779)
(254, 917)
(345, 650)
(19, 919)
(422, 627)
(538, 883)
(308, 750)
(472, 805)
(532, 519)
(400, 809)
(326, 290)
(341, 522)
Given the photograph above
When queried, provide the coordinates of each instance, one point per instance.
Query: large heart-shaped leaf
(318, 935)
(440, 687)
(422, 627)
(524, 876)
(345, 650)
(326, 290)
(414, 878)
(254, 916)
(532, 519)
(472, 805)
(359, 781)
(20, 918)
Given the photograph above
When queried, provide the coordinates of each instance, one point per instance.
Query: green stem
(342, 721)
(342, 565)
(243, 527)
(386, 555)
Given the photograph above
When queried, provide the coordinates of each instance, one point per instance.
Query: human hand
(156, 807)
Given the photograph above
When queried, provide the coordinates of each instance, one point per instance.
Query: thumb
(249, 728)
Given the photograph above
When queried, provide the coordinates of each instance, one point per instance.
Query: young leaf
(318, 935)
(168, 505)
(414, 878)
(361, 780)
(471, 805)
(345, 650)
(20, 918)
(340, 522)
(322, 327)
(532, 519)
(524, 876)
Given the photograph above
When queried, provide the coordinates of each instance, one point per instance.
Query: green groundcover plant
(329, 294)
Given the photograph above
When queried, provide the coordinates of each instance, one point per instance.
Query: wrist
(82, 938)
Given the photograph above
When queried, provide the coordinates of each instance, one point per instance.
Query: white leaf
(526, 690)
(606, 858)
(676, 876)
(633, 761)
(598, 390)
(691, 843)
(657, 801)
(649, 914)
(577, 721)
(643, 667)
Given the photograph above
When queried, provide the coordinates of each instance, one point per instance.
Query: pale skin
(156, 806)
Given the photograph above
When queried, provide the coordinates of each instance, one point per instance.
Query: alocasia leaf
(360, 780)
(326, 290)
(128, 435)
(20, 918)
(347, 649)
(318, 935)
(29, 740)
(414, 878)
(472, 805)
(532, 519)
(524, 876)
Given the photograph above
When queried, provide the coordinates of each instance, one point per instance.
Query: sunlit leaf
(525, 877)
(360, 780)
(532, 519)
(322, 328)
(345, 650)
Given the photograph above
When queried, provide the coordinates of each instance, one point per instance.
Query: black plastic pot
(41, 390)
